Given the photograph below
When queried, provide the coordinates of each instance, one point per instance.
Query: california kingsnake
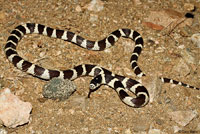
(120, 83)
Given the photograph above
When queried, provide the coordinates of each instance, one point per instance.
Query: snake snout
(92, 86)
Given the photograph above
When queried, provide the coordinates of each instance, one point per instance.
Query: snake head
(95, 83)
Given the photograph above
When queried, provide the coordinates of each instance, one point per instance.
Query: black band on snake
(101, 75)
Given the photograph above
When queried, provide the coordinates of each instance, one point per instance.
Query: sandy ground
(104, 113)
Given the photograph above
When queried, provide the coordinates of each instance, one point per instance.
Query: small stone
(3, 131)
(95, 5)
(159, 121)
(198, 97)
(196, 39)
(78, 8)
(167, 100)
(160, 49)
(183, 117)
(42, 54)
(128, 131)
(71, 111)
(42, 100)
(60, 111)
(177, 129)
(181, 46)
(58, 53)
(58, 89)
(93, 17)
(13, 111)
(109, 130)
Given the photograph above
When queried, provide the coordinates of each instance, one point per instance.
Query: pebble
(78, 8)
(14, 112)
(72, 111)
(196, 39)
(58, 89)
(160, 49)
(3, 131)
(42, 54)
(167, 100)
(95, 5)
(177, 129)
(42, 100)
(181, 46)
(128, 131)
(93, 17)
(183, 117)
(58, 53)
(159, 121)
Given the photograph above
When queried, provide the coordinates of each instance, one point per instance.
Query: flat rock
(183, 117)
(3, 131)
(13, 111)
(196, 39)
(153, 85)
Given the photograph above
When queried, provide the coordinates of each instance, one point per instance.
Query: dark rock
(58, 89)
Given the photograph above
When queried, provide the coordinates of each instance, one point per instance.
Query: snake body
(120, 83)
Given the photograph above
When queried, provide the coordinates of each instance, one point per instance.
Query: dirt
(103, 112)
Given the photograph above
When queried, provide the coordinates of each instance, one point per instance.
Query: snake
(101, 76)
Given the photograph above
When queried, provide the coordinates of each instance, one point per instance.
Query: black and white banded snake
(101, 75)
